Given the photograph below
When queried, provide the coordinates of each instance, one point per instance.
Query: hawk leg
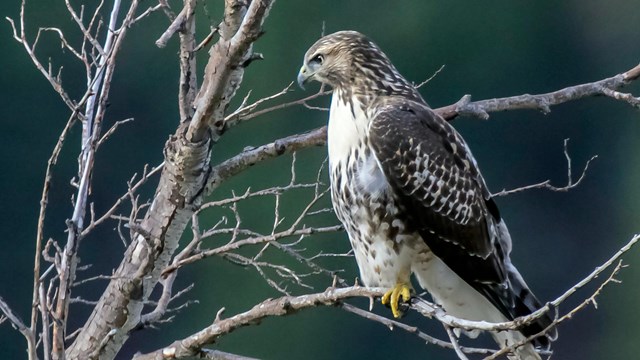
(402, 291)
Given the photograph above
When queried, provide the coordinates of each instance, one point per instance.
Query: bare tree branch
(547, 183)
(191, 345)
(19, 324)
(20, 36)
(454, 341)
(462, 107)
(589, 300)
(250, 157)
(542, 102)
(427, 309)
(90, 138)
(392, 324)
(44, 310)
(224, 71)
(188, 84)
(246, 113)
(175, 26)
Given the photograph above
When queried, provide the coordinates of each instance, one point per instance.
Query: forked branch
(543, 102)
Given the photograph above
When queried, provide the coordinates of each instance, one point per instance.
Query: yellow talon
(402, 291)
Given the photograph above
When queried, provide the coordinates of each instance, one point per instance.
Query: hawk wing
(444, 198)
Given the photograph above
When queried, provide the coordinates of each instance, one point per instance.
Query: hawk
(411, 197)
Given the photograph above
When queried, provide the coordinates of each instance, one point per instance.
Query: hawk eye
(318, 59)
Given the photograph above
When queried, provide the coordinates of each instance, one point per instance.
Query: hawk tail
(524, 303)
(517, 300)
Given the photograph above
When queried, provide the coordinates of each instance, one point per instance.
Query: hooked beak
(303, 76)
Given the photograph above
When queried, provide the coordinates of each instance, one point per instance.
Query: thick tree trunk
(178, 195)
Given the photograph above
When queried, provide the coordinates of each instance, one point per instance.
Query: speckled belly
(386, 250)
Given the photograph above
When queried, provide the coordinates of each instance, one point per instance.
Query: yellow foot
(393, 296)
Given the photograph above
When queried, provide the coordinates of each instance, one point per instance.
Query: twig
(147, 12)
(250, 194)
(19, 324)
(85, 32)
(250, 241)
(206, 40)
(175, 26)
(244, 108)
(221, 355)
(590, 300)
(431, 77)
(244, 114)
(112, 130)
(454, 342)
(21, 37)
(392, 324)
(242, 161)
(547, 183)
(132, 189)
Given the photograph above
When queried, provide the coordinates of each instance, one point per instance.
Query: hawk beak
(303, 76)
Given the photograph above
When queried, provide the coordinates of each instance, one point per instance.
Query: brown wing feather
(429, 163)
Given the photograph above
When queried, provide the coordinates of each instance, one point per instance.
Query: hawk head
(346, 59)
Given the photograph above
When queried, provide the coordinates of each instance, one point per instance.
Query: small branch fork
(547, 183)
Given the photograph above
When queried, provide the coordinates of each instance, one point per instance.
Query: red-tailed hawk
(411, 196)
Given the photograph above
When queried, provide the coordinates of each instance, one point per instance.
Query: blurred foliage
(490, 49)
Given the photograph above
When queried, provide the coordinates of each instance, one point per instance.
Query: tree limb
(250, 157)
(543, 102)
(224, 71)
(24, 330)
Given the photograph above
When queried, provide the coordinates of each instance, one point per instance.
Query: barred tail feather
(525, 303)
(522, 301)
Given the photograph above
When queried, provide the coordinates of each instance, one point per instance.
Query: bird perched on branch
(411, 197)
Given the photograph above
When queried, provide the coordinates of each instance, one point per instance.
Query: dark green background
(490, 49)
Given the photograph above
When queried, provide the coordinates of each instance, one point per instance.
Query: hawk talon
(402, 291)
